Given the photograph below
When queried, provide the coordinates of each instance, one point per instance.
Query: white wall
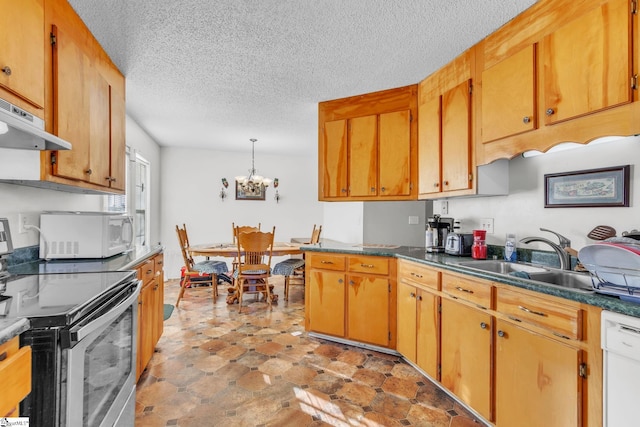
(523, 212)
(191, 184)
(16, 199)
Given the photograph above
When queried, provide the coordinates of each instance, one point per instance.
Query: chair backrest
(242, 229)
(184, 245)
(254, 250)
(315, 234)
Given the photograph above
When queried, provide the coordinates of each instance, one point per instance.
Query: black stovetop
(55, 299)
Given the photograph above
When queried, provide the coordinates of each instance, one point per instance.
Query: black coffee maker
(439, 227)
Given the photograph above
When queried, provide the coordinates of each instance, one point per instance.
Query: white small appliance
(84, 234)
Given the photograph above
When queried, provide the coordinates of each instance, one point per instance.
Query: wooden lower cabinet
(150, 310)
(15, 376)
(326, 302)
(516, 357)
(368, 310)
(466, 346)
(351, 297)
(419, 318)
(537, 380)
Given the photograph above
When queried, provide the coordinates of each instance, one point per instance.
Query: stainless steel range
(83, 342)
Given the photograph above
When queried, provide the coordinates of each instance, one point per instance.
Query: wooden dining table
(231, 249)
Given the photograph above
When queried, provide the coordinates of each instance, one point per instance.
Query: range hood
(22, 130)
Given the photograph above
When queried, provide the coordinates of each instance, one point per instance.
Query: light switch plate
(487, 224)
(413, 219)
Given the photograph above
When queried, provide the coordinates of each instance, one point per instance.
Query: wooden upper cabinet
(562, 71)
(363, 156)
(117, 175)
(22, 50)
(72, 80)
(368, 146)
(509, 96)
(395, 153)
(445, 134)
(456, 138)
(587, 63)
(333, 159)
(99, 129)
(429, 146)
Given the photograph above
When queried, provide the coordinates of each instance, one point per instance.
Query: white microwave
(84, 234)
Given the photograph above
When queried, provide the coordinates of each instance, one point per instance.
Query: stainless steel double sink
(566, 279)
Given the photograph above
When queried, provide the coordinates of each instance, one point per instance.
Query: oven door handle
(79, 332)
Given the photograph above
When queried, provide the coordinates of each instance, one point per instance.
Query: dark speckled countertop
(448, 262)
(10, 328)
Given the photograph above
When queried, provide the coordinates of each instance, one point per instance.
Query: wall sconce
(223, 194)
(275, 185)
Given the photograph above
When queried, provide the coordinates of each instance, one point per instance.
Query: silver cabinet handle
(367, 265)
(412, 295)
(419, 276)
(537, 313)
(469, 291)
(326, 262)
(550, 111)
(526, 120)
(501, 333)
(7, 70)
(483, 325)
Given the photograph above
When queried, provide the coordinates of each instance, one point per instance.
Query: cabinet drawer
(159, 263)
(15, 375)
(419, 274)
(473, 291)
(563, 320)
(326, 261)
(369, 264)
(147, 270)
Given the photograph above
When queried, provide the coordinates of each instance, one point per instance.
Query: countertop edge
(13, 328)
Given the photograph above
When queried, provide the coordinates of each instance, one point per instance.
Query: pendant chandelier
(253, 184)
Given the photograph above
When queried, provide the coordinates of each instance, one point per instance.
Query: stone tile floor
(214, 366)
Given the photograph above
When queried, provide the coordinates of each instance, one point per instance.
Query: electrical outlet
(25, 219)
(441, 207)
(487, 224)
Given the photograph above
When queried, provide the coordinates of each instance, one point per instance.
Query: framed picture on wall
(605, 187)
(256, 192)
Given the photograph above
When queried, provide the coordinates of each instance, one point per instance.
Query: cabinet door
(456, 137)
(99, 129)
(466, 355)
(334, 159)
(368, 309)
(363, 156)
(118, 140)
(428, 333)
(71, 74)
(537, 380)
(145, 327)
(407, 316)
(327, 302)
(394, 146)
(508, 96)
(587, 63)
(22, 32)
(157, 311)
(429, 146)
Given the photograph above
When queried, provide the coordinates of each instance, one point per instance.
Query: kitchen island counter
(448, 262)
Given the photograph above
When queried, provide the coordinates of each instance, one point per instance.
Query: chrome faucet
(560, 249)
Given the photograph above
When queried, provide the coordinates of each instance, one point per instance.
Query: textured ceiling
(212, 74)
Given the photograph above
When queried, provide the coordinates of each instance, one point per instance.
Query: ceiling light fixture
(253, 184)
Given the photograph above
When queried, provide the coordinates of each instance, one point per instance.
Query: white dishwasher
(621, 388)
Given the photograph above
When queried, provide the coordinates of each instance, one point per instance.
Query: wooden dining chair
(255, 249)
(201, 273)
(293, 268)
